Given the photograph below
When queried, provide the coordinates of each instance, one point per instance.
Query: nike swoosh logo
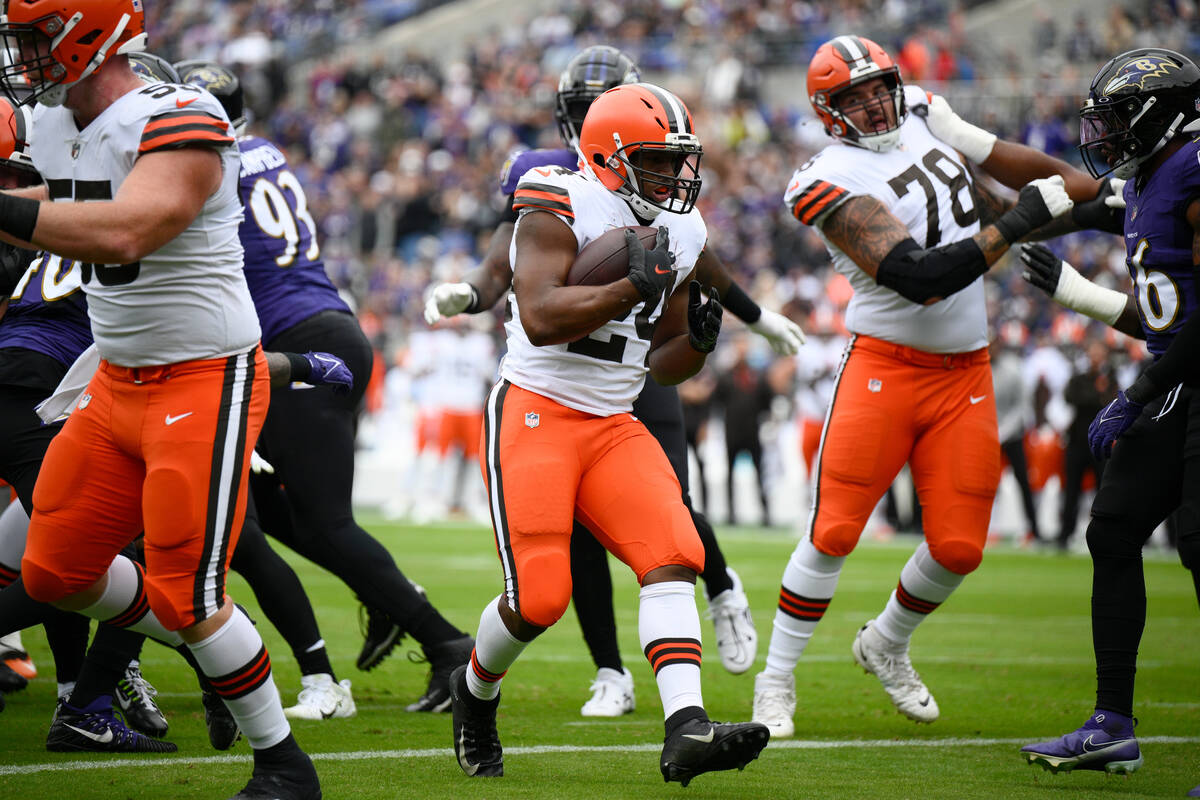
(924, 702)
(1088, 747)
(172, 420)
(184, 103)
(467, 766)
(662, 271)
(975, 400)
(706, 738)
(103, 738)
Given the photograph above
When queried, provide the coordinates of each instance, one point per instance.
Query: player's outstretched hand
(1106, 211)
(704, 319)
(1043, 269)
(329, 370)
(784, 336)
(1038, 202)
(973, 142)
(650, 271)
(448, 299)
(1113, 420)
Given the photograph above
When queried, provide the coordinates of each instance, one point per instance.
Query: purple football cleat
(1194, 792)
(1105, 742)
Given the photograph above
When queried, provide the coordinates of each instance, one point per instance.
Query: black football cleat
(223, 730)
(11, 680)
(97, 729)
(135, 697)
(700, 746)
(476, 742)
(380, 637)
(443, 657)
(298, 782)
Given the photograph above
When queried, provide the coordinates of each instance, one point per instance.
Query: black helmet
(1137, 103)
(588, 75)
(221, 83)
(152, 68)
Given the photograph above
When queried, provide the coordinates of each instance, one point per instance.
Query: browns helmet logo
(1136, 72)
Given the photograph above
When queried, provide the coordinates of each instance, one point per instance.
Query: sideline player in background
(560, 441)
(591, 72)
(297, 307)
(146, 197)
(903, 220)
(1138, 123)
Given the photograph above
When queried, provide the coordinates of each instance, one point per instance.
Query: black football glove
(1105, 212)
(1042, 268)
(650, 271)
(704, 319)
(1038, 202)
(14, 262)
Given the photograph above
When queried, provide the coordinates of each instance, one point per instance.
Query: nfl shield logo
(75, 148)
(137, 5)
(874, 385)
(83, 401)
(532, 420)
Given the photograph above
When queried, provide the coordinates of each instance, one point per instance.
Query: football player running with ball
(143, 190)
(903, 219)
(590, 73)
(1138, 123)
(560, 442)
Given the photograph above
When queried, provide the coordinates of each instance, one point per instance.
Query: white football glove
(785, 336)
(259, 465)
(972, 141)
(1054, 195)
(1118, 193)
(448, 299)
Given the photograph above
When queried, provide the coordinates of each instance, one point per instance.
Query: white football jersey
(925, 185)
(188, 299)
(602, 373)
(461, 370)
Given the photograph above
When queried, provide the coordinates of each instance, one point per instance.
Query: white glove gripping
(973, 142)
(784, 336)
(259, 465)
(1118, 193)
(1054, 195)
(447, 300)
(1078, 293)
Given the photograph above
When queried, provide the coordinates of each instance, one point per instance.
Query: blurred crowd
(402, 152)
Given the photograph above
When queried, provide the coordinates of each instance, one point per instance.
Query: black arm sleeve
(738, 303)
(923, 275)
(1179, 364)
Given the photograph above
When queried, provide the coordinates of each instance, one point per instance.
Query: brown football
(604, 259)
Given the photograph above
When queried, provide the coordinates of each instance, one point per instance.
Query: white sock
(495, 651)
(65, 689)
(809, 581)
(669, 630)
(14, 523)
(124, 603)
(236, 663)
(924, 585)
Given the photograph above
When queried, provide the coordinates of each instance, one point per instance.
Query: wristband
(1078, 293)
(973, 142)
(301, 368)
(473, 306)
(18, 216)
(740, 305)
(1143, 390)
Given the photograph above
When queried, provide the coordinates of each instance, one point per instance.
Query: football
(604, 259)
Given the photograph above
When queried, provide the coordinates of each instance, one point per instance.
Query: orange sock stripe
(140, 605)
(483, 674)
(914, 603)
(800, 607)
(664, 652)
(8, 575)
(242, 682)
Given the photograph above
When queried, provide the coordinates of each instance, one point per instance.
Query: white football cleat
(737, 640)
(775, 703)
(321, 698)
(890, 663)
(612, 694)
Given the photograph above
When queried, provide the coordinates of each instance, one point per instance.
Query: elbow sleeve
(923, 275)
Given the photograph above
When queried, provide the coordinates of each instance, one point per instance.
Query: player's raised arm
(786, 337)
(481, 287)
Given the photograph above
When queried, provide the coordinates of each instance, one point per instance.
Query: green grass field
(1009, 659)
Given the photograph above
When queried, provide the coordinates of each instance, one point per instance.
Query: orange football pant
(895, 404)
(460, 429)
(545, 465)
(162, 449)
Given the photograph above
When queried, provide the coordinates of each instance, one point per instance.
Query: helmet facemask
(650, 190)
(1117, 137)
(889, 107)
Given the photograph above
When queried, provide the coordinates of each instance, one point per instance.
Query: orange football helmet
(53, 44)
(844, 62)
(16, 166)
(630, 122)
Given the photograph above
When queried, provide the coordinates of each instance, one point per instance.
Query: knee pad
(42, 584)
(171, 616)
(1113, 537)
(956, 555)
(169, 509)
(836, 539)
(544, 588)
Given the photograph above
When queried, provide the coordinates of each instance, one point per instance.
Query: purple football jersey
(517, 165)
(47, 312)
(283, 260)
(1158, 245)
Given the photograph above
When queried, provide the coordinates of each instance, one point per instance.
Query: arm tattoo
(990, 204)
(865, 230)
(992, 244)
